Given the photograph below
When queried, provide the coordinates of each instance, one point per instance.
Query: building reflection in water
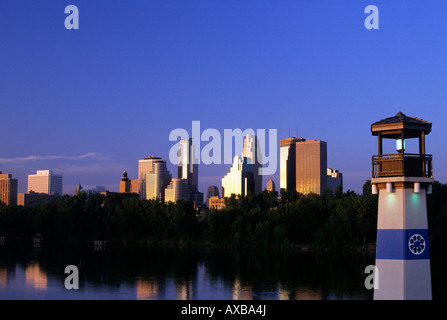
(184, 290)
(3, 277)
(147, 289)
(241, 292)
(299, 293)
(35, 277)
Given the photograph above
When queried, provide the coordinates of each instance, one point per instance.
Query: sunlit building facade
(157, 180)
(239, 178)
(45, 181)
(311, 166)
(145, 166)
(127, 185)
(8, 189)
(252, 151)
(31, 199)
(287, 161)
(177, 189)
(188, 167)
(217, 203)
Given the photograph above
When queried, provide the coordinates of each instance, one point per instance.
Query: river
(192, 273)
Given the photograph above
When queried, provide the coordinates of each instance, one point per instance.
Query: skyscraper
(45, 181)
(8, 189)
(157, 180)
(303, 165)
(311, 166)
(253, 154)
(239, 178)
(176, 190)
(145, 166)
(188, 167)
(287, 159)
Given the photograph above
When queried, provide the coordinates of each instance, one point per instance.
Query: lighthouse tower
(402, 181)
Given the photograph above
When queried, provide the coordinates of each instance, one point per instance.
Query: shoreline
(369, 248)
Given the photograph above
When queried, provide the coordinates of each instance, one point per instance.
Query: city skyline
(89, 103)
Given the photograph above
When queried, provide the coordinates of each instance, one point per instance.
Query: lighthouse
(402, 180)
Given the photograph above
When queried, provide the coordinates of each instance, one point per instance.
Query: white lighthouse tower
(402, 181)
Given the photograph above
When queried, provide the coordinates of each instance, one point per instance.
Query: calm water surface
(164, 273)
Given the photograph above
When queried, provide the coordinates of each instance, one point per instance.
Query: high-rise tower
(252, 152)
(45, 181)
(8, 189)
(188, 167)
(287, 160)
(145, 167)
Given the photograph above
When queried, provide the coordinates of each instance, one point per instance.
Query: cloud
(90, 155)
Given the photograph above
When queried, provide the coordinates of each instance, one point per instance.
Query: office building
(127, 185)
(8, 189)
(239, 179)
(32, 199)
(252, 151)
(45, 181)
(212, 191)
(94, 189)
(145, 166)
(215, 202)
(188, 167)
(287, 160)
(311, 166)
(157, 180)
(176, 190)
(334, 179)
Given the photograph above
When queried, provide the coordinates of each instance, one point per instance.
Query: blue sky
(90, 103)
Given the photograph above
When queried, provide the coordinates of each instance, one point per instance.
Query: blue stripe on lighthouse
(402, 244)
(390, 244)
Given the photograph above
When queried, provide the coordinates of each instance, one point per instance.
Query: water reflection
(183, 274)
(147, 289)
(35, 277)
(3, 276)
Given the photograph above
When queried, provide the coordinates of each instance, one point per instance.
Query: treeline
(335, 220)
